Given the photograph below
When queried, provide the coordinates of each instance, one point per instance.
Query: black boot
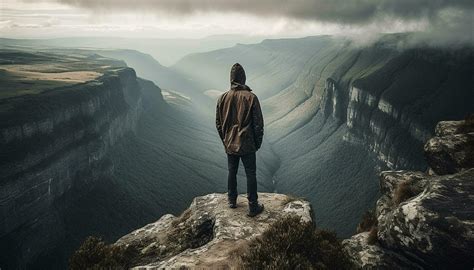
(255, 209)
(232, 203)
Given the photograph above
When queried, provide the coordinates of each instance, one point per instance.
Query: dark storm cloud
(342, 11)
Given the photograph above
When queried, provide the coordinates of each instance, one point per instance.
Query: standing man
(239, 122)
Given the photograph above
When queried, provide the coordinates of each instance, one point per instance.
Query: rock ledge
(207, 233)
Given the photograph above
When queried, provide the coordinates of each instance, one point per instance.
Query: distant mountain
(167, 51)
(271, 65)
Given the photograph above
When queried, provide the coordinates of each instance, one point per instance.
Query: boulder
(436, 227)
(373, 256)
(452, 149)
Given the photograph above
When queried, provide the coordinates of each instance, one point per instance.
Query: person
(239, 122)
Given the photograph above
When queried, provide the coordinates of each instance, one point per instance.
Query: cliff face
(425, 220)
(393, 108)
(51, 143)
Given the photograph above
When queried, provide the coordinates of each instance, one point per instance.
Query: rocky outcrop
(51, 143)
(369, 256)
(425, 220)
(452, 150)
(208, 232)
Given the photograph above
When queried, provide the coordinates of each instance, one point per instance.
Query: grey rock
(389, 180)
(425, 219)
(436, 227)
(452, 150)
(216, 229)
(366, 256)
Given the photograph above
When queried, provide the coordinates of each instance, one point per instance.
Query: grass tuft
(372, 239)
(292, 244)
(403, 192)
(94, 253)
(369, 224)
(368, 221)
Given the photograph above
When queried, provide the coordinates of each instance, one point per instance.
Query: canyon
(111, 154)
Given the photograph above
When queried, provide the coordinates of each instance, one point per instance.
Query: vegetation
(94, 253)
(292, 244)
(468, 125)
(25, 73)
(403, 192)
(368, 221)
(290, 198)
(372, 239)
(369, 224)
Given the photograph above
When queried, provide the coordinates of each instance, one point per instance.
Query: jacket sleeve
(218, 119)
(257, 123)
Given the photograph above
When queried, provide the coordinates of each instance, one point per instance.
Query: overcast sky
(448, 20)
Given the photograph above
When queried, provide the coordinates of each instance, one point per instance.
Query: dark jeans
(250, 166)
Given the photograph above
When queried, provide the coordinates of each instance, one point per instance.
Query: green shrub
(369, 224)
(468, 125)
(95, 254)
(372, 239)
(403, 192)
(368, 221)
(292, 244)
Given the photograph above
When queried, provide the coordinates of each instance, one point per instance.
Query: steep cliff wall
(393, 109)
(52, 143)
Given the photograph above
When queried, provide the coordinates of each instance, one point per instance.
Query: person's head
(237, 77)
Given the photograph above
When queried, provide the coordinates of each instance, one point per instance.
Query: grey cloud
(342, 11)
(345, 12)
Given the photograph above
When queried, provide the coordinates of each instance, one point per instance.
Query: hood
(237, 78)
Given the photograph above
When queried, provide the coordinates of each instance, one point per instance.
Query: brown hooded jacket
(239, 119)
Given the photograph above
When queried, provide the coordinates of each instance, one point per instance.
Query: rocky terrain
(208, 232)
(425, 220)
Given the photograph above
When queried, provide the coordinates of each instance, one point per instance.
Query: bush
(372, 239)
(292, 244)
(94, 253)
(403, 192)
(368, 221)
(468, 125)
(369, 224)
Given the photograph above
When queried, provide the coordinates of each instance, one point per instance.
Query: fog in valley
(347, 91)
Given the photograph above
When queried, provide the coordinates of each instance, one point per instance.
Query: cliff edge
(208, 233)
